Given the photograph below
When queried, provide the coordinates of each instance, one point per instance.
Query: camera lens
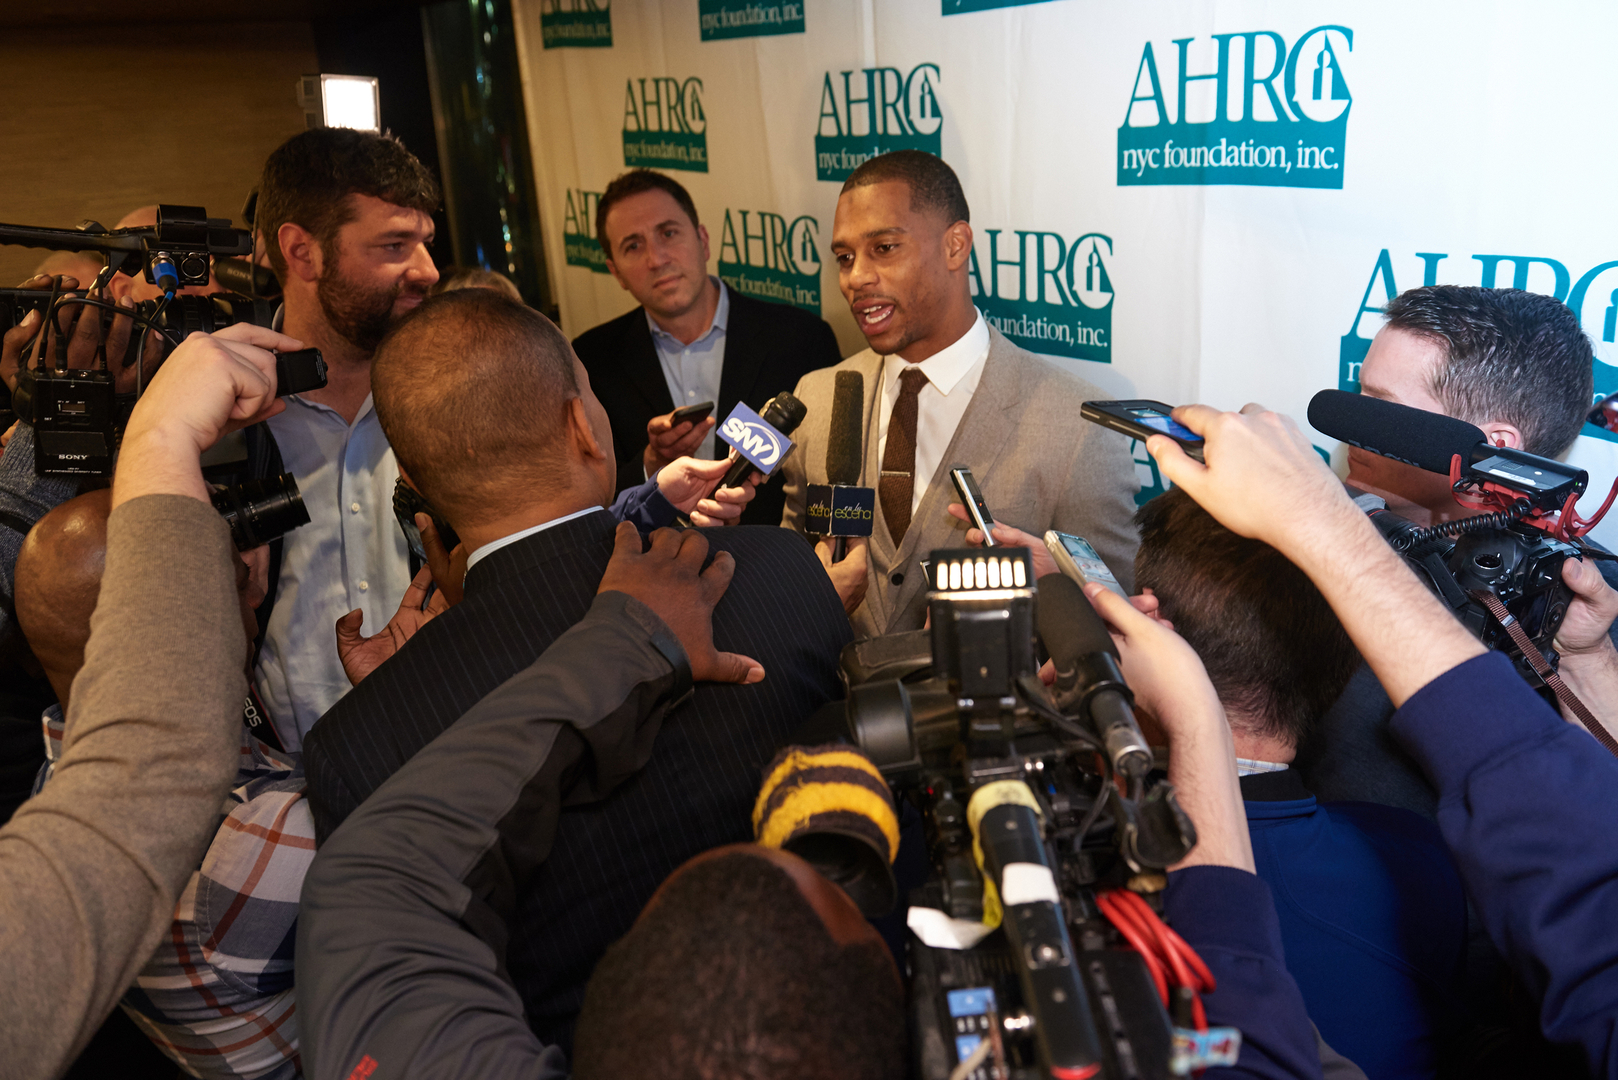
(259, 511)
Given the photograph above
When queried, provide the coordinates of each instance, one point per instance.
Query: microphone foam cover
(1423, 439)
(843, 450)
(1068, 625)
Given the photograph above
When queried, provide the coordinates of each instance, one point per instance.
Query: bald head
(473, 390)
(141, 215)
(58, 577)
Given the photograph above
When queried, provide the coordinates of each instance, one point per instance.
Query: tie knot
(912, 379)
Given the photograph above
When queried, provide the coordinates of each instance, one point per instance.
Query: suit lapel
(983, 433)
(744, 358)
(642, 369)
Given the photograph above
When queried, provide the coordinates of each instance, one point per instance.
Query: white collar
(495, 545)
(949, 365)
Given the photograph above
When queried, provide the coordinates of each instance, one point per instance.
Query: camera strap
(1543, 669)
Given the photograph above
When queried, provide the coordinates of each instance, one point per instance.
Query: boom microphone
(840, 507)
(1423, 439)
(1087, 675)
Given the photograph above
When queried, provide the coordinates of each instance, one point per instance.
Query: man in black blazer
(693, 339)
(516, 453)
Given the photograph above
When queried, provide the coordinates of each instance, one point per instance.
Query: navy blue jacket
(1373, 918)
(645, 506)
(1528, 804)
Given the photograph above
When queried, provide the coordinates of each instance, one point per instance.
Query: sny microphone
(760, 448)
(1087, 675)
(840, 507)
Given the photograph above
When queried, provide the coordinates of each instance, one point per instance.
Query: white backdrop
(1474, 131)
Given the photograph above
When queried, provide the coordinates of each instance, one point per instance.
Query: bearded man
(346, 221)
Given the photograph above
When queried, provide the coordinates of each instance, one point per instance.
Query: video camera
(1016, 970)
(1500, 572)
(73, 403)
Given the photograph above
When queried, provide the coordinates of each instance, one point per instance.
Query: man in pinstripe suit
(513, 448)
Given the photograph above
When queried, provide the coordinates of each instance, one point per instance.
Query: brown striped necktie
(897, 484)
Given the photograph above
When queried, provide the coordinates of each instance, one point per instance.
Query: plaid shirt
(217, 995)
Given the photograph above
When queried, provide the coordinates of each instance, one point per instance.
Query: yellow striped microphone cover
(830, 806)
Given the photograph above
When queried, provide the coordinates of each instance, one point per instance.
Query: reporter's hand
(669, 579)
(1584, 630)
(1257, 460)
(211, 385)
(667, 441)
(1011, 537)
(852, 576)
(362, 655)
(1170, 683)
(448, 567)
(686, 483)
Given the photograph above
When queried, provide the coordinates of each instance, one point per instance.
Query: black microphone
(783, 413)
(1087, 675)
(1423, 439)
(840, 507)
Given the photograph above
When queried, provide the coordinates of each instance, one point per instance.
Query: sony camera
(958, 722)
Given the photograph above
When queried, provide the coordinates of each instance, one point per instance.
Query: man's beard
(360, 316)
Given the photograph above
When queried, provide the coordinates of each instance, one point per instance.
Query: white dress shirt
(693, 371)
(352, 554)
(495, 545)
(952, 377)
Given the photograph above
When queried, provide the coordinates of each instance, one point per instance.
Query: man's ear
(1500, 433)
(957, 245)
(409, 483)
(580, 431)
(301, 251)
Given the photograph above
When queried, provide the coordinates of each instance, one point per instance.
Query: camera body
(949, 712)
(1518, 563)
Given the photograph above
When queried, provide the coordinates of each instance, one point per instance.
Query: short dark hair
(1272, 646)
(634, 182)
(308, 179)
(731, 974)
(933, 184)
(471, 389)
(1511, 356)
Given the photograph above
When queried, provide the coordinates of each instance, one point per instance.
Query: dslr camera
(1035, 808)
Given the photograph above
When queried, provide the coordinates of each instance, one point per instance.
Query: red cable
(1160, 947)
(1140, 944)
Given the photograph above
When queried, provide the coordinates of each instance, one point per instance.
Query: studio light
(348, 101)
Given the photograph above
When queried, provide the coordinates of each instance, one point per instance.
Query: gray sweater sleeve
(402, 925)
(25, 497)
(90, 868)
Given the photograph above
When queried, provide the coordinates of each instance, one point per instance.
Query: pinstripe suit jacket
(1040, 467)
(697, 790)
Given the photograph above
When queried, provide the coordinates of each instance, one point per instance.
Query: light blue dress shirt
(352, 554)
(693, 371)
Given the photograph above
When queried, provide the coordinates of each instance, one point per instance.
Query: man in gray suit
(943, 388)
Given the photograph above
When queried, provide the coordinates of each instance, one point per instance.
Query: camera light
(346, 101)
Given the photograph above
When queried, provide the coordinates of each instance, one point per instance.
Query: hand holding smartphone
(690, 413)
(1141, 419)
(1079, 561)
(966, 486)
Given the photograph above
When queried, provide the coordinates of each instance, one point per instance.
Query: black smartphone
(1141, 420)
(972, 498)
(691, 413)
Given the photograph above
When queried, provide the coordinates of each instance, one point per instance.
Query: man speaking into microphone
(941, 388)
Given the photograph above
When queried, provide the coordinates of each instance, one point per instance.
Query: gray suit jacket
(1039, 464)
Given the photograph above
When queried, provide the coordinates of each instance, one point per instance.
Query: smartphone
(1079, 561)
(691, 413)
(1141, 420)
(972, 498)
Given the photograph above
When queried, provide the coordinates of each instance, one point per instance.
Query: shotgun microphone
(840, 507)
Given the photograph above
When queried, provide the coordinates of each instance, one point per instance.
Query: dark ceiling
(20, 13)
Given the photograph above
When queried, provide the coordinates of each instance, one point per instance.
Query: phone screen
(1164, 423)
(1089, 562)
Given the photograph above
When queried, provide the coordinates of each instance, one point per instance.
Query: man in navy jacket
(1525, 799)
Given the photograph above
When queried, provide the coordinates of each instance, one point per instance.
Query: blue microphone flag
(751, 436)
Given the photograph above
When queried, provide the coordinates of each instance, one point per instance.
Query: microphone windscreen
(843, 450)
(1068, 625)
(1423, 439)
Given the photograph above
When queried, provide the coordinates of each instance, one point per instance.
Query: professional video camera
(1042, 867)
(1500, 571)
(67, 387)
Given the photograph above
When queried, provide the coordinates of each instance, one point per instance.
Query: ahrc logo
(664, 125)
(901, 112)
(1257, 136)
(579, 244)
(780, 261)
(1045, 293)
(576, 24)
